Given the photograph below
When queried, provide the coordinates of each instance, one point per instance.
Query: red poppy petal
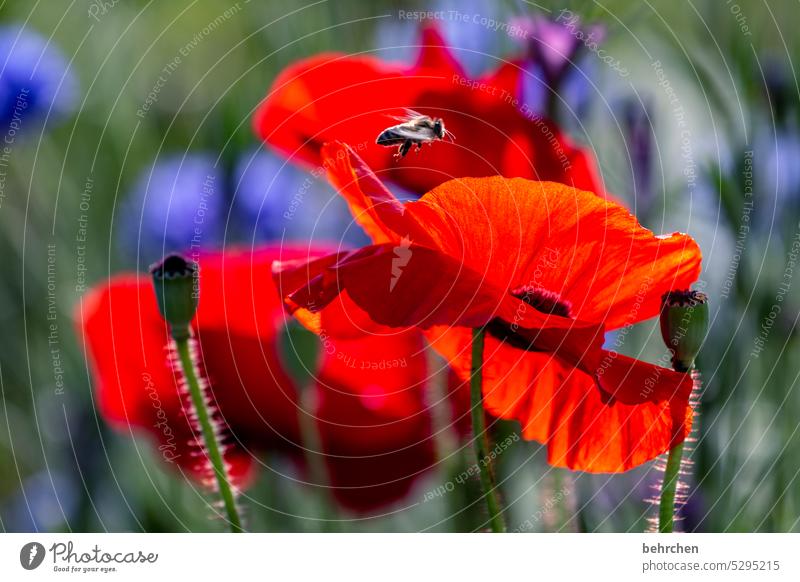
(633, 382)
(411, 286)
(578, 347)
(406, 285)
(505, 78)
(386, 407)
(524, 157)
(373, 207)
(442, 218)
(435, 54)
(590, 251)
(564, 409)
(300, 283)
(376, 434)
(106, 318)
(368, 483)
(583, 172)
(626, 276)
(233, 295)
(342, 318)
(576, 342)
(248, 383)
(333, 96)
(384, 281)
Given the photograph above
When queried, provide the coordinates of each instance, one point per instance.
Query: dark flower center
(541, 300)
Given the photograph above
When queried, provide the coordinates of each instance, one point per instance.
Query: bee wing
(408, 115)
(417, 133)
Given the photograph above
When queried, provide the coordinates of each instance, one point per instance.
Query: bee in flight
(414, 129)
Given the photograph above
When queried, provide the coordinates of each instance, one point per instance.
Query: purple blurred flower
(556, 70)
(35, 78)
(777, 148)
(178, 204)
(575, 91)
(693, 513)
(555, 44)
(780, 90)
(639, 138)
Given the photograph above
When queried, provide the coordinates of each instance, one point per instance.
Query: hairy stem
(675, 462)
(210, 437)
(666, 509)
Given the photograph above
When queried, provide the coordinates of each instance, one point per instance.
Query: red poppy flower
(547, 269)
(353, 98)
(374, 425)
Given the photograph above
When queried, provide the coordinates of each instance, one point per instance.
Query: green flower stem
(480, 436)
(209, 435)
(666, 510)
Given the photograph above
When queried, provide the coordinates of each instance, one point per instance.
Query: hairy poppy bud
(175, 281)
(684, 322)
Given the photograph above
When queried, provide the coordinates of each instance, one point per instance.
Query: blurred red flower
(373, 423)
(547, 269)
(374, 426)
(353, 98)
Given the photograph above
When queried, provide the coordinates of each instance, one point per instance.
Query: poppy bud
(175, 282)
(684, 322)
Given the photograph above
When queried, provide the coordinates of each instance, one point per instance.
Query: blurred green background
(63, 469)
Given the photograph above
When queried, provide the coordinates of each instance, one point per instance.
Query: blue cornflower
(178, 204)
(275, 200)
(35, 79)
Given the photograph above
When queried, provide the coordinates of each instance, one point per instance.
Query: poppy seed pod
(684, 322)
(175, 281)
